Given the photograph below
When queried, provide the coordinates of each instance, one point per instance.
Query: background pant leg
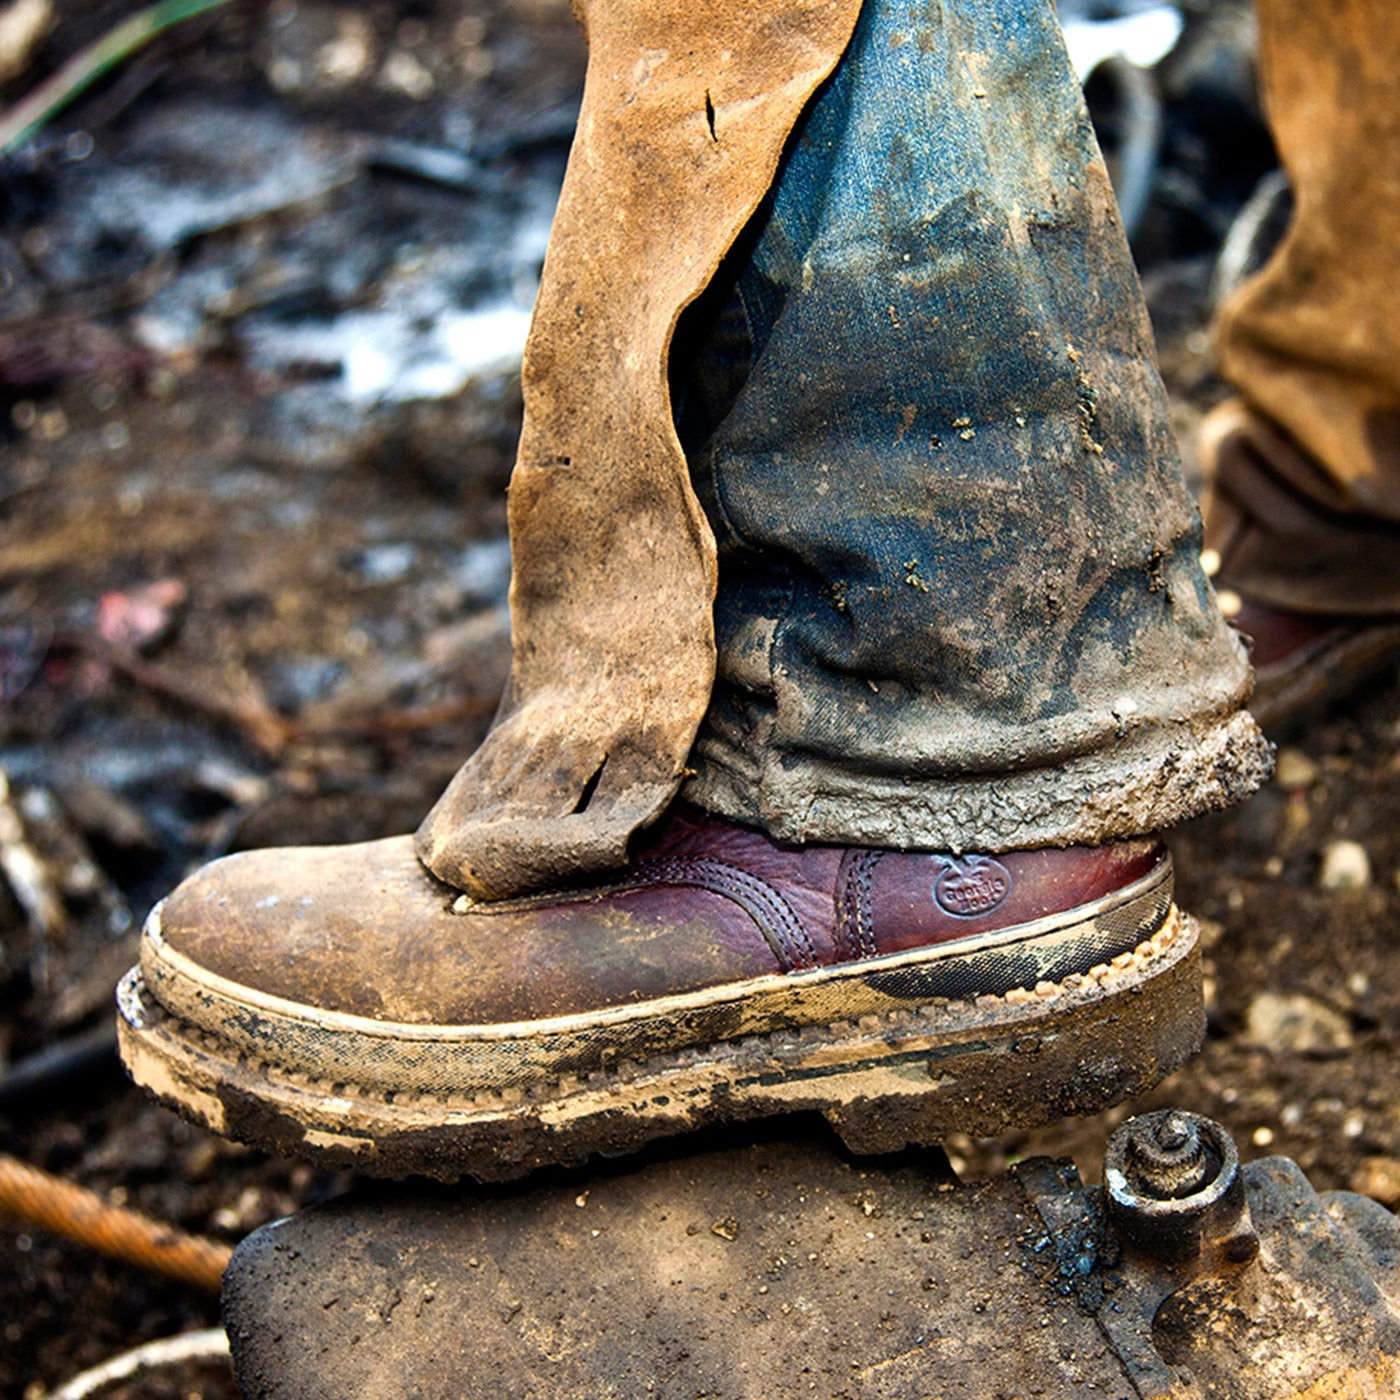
(960, 603)
(1306, 505)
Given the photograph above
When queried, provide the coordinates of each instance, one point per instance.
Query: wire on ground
(78, 1214)
(208, 1345)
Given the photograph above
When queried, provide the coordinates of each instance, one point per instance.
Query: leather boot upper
(367, 931)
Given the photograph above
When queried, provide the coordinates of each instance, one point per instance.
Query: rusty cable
(78, 1214)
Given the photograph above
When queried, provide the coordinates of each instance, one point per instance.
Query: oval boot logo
(971, 885)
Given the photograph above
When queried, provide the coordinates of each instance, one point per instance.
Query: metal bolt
(1173, 1132)
(1173, 1183)
(1167, 1157)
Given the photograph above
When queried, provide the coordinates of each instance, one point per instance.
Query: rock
(1379, 1178)
(1295, 1022)
(1294, 769)
(1345, 866)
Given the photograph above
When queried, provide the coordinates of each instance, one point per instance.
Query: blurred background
(266, 269)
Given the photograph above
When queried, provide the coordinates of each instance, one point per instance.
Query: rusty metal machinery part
(771, 1266)
(1174, 1187)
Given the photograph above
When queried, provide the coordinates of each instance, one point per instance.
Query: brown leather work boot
(340, 1002)
(1305, 663)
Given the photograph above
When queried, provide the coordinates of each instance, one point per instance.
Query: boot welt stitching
(787, 1008)
(147, 1017)
(855, 918)
(1154, 889)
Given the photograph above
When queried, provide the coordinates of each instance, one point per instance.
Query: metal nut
(1173, 1184)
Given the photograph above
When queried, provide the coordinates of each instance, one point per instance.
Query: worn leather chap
(686, 110)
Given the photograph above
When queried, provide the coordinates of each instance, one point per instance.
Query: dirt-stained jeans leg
(960, 603)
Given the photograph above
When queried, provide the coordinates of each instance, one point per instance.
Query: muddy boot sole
(903, 1065)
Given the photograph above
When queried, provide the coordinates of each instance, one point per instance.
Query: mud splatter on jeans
(960, 603)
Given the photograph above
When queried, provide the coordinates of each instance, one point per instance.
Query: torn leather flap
(686, 109)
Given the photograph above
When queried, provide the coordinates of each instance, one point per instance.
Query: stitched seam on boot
(779, 926)
(856, 921)
(771, 913)
(865, 875)
(845, 907)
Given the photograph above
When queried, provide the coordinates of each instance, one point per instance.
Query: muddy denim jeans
(960, 602)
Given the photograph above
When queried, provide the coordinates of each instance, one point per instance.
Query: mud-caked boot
(847, 512)
(343, 1004)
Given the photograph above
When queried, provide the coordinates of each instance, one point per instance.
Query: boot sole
(886, 1056)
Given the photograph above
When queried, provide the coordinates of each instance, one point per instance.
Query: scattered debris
(29, 878)
(191, 168)
(1294, 769)
(81, 927)
(1297, 1023)
(141, 618)
(1345, 866)
(209, 1344)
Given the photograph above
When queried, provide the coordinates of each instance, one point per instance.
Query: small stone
(1294, 769)
(1345, 866)
(1379, 1178)
(404, 73)
(1295, 1022)
(346, 57)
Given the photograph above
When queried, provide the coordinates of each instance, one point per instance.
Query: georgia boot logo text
(971, 885)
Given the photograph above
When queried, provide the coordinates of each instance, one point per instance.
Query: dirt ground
(261, 300)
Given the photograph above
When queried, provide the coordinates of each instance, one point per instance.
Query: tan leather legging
(1306, 503)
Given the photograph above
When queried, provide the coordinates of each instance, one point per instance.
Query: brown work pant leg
(1305, 508)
